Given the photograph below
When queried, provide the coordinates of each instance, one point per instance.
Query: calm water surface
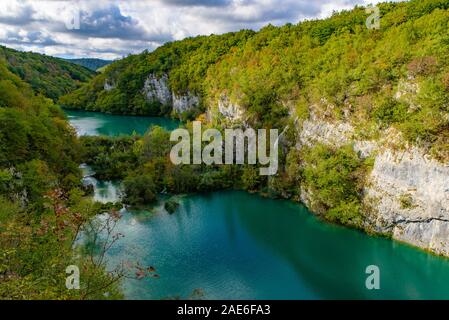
(96, 123)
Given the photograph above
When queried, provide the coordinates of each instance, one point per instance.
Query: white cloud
(112, 29)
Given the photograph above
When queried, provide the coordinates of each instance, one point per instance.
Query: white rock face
(410, 174)
(230, 110)
(365, 148)
(109, 85)
(318, 131)
(336, 134)
(406, 88)
(185, 102)
(156, 89)
(407, 91)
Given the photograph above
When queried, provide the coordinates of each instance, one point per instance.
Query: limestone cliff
(157, 89)
(228, 109)
(186, 102)
(108, 85)
(409, 194)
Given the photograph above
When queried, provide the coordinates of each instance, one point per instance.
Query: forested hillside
(347, 96)
(53, 77)
(187, 62)
(41, 203)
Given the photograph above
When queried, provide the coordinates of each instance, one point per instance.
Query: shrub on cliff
(331, 176)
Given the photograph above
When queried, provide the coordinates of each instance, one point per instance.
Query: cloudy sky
(115, 28)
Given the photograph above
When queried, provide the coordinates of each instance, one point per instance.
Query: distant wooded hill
(92, 64)
(53, 77)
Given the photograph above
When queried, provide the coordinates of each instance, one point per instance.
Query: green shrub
(391, 111)
(171, 206)
(332, 177)
(139, 190)
(347, 212)
(406, 201)
(251, 178)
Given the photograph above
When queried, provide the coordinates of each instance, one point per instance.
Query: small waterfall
(104, 191)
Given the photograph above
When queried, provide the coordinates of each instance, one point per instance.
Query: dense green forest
(53, 77)
(42, 203)
(90, 63)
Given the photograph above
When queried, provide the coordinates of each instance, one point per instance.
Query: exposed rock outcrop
(318, 131)
(229, 110)
(409, 196)
(109, 85)
(157, 89)
(407, 91)
(185, 102)
(365, 148)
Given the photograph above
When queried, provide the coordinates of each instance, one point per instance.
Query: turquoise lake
(236, 245)
(95, 123)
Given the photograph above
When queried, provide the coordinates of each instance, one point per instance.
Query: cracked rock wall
(424, 219)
